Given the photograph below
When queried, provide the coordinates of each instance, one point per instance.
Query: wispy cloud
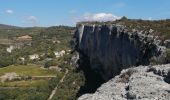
(9, 11)
(99, 17)
(30, 20)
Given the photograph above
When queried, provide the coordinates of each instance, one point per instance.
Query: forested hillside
(35, 60)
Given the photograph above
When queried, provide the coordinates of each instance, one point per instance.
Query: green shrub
(124, 77)
(168, 55)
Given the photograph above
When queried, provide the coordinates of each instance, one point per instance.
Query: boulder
(167, 43)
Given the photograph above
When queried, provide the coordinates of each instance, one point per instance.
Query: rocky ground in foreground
(143, 82)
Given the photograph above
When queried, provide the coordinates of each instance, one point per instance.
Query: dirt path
(42, 77)
(55, 89)
(52, 76)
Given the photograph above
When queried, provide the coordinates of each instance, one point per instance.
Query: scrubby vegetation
(27, 70)
(28, 90)
(67, 90)
(50, 49)
(40, 89)
(160, 27)
(49, 54)
(44, 42)
(124, 77)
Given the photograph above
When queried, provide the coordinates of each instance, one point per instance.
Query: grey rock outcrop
(167, 43)
(109, 49)
(140, 83)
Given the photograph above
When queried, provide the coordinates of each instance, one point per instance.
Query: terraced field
(37, 75)
(34, 81)
(27, 70)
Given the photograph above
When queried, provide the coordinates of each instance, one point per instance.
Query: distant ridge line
(3, 26)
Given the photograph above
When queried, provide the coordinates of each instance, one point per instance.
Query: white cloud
(32, 19)
(100, 17)
(9, 11)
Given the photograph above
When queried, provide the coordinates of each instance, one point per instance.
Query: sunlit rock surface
(140, 83)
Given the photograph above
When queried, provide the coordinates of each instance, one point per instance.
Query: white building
(59, 54)
(34, 56)
(10, 48)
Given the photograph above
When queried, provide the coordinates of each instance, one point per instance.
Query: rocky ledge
(139, 83)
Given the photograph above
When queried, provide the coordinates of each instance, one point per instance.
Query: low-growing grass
(24, 94)
(27, 70)
(27, 83)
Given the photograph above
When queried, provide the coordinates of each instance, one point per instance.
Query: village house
(34, 56)
(59, 54)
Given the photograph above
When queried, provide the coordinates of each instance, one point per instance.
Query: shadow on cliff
(105, 50)
(92, 79)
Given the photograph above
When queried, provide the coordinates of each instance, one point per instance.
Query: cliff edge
(109, 49)
(140, 83)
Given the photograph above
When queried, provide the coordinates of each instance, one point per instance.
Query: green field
(28, 83)
(27, 70)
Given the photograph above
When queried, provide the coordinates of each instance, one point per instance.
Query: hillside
(40, 63)
(3, 26)
(34, 61)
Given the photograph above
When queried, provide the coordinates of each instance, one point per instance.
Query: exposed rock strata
(109, 49)
(140, 83)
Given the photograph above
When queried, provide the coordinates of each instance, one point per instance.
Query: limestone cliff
(109, 49)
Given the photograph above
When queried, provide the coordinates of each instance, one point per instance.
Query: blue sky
(68, 12)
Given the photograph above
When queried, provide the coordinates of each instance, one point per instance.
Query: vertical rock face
(109, 49)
